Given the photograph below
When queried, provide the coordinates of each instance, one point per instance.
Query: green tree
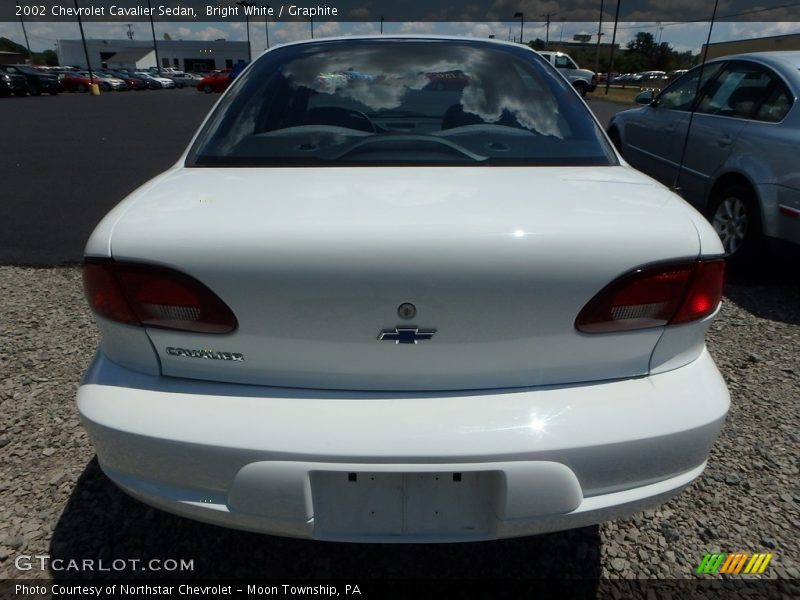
(48, 57)
(641, 52)
(643, 43)
(6, 45)
(685, 60)
(663, 58)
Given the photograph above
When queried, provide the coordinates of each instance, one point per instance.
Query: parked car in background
(740, 166)
(582, 80)
(672, 75)
(653, 79)
(74, 82)
(627, 79)
(149, 82)
(12, 82)
(152, 82)
(39, 82)
(164, 71)
(218, 81)
(402, 312)
(178, 83)
(185, 79)
(166, 83)
(133, 83)
(109, 82)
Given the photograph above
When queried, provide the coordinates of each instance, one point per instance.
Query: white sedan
(403, 289)
(165, 83)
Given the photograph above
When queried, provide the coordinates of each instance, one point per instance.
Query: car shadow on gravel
(101, 522)
(771, 291)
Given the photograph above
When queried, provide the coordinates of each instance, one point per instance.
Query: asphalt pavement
(68, 159)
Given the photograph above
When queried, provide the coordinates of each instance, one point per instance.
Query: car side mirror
(645, 97)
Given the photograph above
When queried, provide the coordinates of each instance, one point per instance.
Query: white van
(582, 80)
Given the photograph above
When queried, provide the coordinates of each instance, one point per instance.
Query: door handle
(724, 141)
(669, 128)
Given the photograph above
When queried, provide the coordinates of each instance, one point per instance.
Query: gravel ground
(55, 501)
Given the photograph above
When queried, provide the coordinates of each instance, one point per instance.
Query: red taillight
(703, 297)
(154, 297)
(657, 295)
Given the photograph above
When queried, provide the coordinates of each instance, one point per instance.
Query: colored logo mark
(734, 563)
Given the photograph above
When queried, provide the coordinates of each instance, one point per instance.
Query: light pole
(83, 39)
(381, 24)
(311, 20)
(245, 4)
(25, 33)
(266, 22)
(547, 34)
(521, 17)
(613, 43)
(155, 44)
(599, 36)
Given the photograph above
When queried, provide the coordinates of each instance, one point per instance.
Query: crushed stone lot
(55, 501)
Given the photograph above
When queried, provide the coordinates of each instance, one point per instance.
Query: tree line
(642, 53)
(48, 57)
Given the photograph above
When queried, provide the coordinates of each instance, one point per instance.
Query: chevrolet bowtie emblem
(406, 335)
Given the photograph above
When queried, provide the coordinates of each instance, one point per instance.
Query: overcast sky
(682, 36)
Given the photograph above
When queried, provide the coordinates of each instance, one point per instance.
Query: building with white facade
(790, 41)
(186, 55)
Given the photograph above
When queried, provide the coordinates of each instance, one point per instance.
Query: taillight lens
(152, 296)
(656, 295)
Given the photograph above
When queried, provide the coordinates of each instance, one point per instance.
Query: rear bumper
(403, 467)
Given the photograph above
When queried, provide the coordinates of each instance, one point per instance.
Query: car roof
(784, 56)
(785, 62)
(405, 36)
(777, 59)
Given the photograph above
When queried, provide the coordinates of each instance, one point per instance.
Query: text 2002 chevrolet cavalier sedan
(367, 307)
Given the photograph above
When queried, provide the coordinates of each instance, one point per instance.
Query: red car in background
(77, 83)
(133, 82)
(218, 81)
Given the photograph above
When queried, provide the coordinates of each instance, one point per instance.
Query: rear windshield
(400, 102)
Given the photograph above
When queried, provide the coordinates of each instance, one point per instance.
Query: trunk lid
(315, 263)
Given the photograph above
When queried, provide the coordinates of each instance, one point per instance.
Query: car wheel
(734, 216)
(82, 88)
(207, 89)
(581, 87)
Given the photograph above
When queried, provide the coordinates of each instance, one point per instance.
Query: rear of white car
(408, 333)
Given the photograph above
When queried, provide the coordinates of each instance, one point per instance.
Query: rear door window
(746, 90)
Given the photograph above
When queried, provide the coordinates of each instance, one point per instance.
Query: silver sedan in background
(740, 160)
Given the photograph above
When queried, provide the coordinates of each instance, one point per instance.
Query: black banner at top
(394, 11)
